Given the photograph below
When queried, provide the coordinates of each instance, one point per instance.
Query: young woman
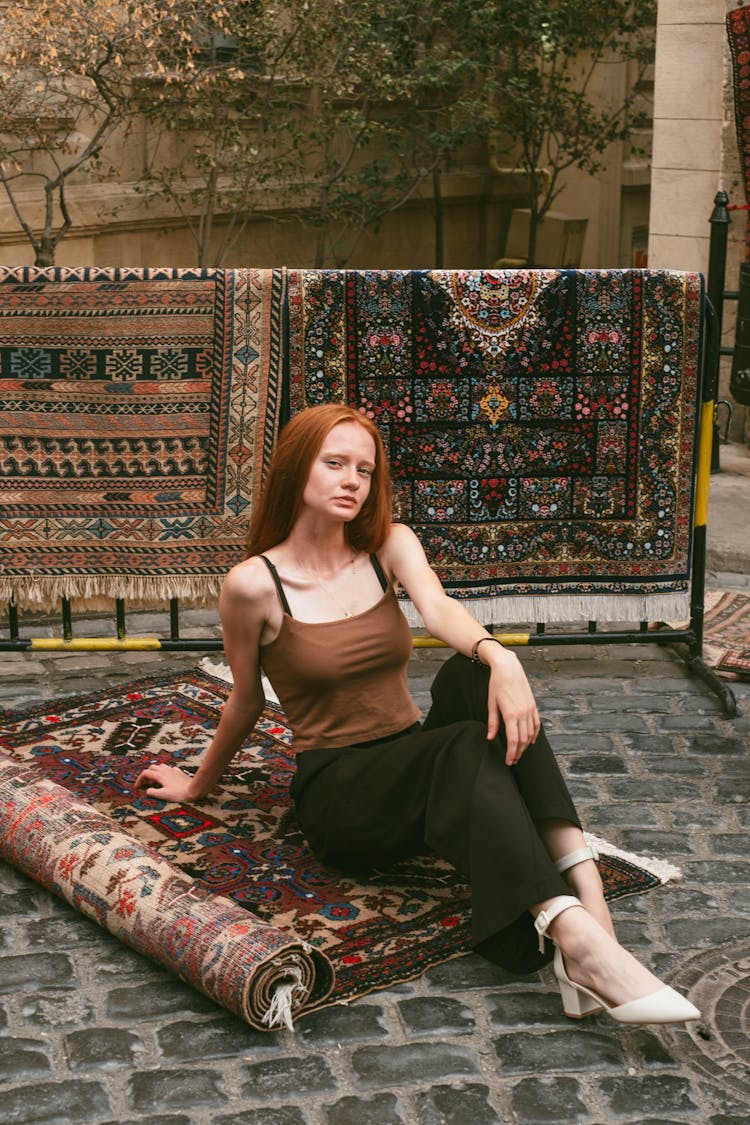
(314, 605)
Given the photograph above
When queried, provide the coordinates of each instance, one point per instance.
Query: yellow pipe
(142, 644)
(703, 472)
(92, 644)
(504, 638)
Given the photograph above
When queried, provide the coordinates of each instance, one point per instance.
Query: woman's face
(341, 472)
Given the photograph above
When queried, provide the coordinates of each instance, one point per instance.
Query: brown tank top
(342, 682)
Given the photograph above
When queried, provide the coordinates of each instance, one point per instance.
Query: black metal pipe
(120, 618)
(174, 619)
(188, 644)
(67, 619)
(717, 266)
(13, 620)
(625, 637)
(664, 636)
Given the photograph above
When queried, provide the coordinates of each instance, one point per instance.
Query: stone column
(688, 122)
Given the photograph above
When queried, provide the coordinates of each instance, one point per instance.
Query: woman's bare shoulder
(248, 581)
(400, 538)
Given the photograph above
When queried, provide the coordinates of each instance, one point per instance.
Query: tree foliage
(224, 118)
(68, 80)
(392, 98)
(333, 112)
(334, 109)
(549, 106)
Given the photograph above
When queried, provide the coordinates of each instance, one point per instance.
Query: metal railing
(689, 639)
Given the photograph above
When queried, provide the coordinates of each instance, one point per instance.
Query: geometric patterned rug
(139, 408)
(240, 846)
(541, 425)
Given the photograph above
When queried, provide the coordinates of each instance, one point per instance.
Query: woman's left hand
(510, 698)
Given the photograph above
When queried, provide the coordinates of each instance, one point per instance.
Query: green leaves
(342, 109)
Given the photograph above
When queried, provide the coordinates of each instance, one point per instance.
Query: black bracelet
(475, 647)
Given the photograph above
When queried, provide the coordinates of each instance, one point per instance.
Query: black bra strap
(277, 583)
(379, 571)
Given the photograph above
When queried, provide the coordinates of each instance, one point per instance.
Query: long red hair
(281, 499)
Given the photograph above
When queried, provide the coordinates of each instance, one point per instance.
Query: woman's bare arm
(510, 695)
(244, 594)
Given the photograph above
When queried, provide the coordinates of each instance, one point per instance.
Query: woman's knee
(454, 671)
(459, 691)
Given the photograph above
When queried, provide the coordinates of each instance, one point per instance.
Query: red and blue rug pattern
(243, 842)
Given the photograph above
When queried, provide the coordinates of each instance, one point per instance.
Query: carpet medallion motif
(139, 408)
(243, 842)
(541, 424)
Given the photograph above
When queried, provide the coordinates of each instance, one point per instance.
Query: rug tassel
(279, 1012)
(660, 868)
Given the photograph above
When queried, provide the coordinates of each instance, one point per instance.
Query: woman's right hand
(170, 783)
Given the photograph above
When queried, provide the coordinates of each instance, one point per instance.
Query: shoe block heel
(576, 1004)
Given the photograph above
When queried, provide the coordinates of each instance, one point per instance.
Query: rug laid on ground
(260, 973)
(726, 633)
(242, 844)
(139, 407)
(541, 425)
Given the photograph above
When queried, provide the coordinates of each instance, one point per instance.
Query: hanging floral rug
(138, 408)
(540, 424)
(225, 892)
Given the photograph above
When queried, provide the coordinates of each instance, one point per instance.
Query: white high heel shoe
(664, 1005)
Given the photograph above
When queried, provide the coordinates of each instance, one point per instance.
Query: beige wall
(113, 226)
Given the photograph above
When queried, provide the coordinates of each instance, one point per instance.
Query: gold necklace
(319, 582)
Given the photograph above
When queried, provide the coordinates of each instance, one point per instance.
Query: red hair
(281, 499)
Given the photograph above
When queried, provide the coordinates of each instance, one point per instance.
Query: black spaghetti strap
(379, 571)
(277, 583)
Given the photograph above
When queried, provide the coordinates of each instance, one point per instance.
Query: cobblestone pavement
(90, 1032)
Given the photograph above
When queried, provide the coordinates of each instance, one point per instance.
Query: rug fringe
(97, 592)
(513, 610)
(222, 671)
(280, 1009)
(661, 869)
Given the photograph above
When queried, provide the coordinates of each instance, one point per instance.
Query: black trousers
(444, 787)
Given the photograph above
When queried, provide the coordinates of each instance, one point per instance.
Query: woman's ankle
(586, 884)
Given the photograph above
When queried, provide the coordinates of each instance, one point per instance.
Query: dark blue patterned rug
(541, 425)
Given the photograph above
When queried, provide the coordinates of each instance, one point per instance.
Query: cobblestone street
(92, 1033)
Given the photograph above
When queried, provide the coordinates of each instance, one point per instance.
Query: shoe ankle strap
(572, 858)
(544, 918)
